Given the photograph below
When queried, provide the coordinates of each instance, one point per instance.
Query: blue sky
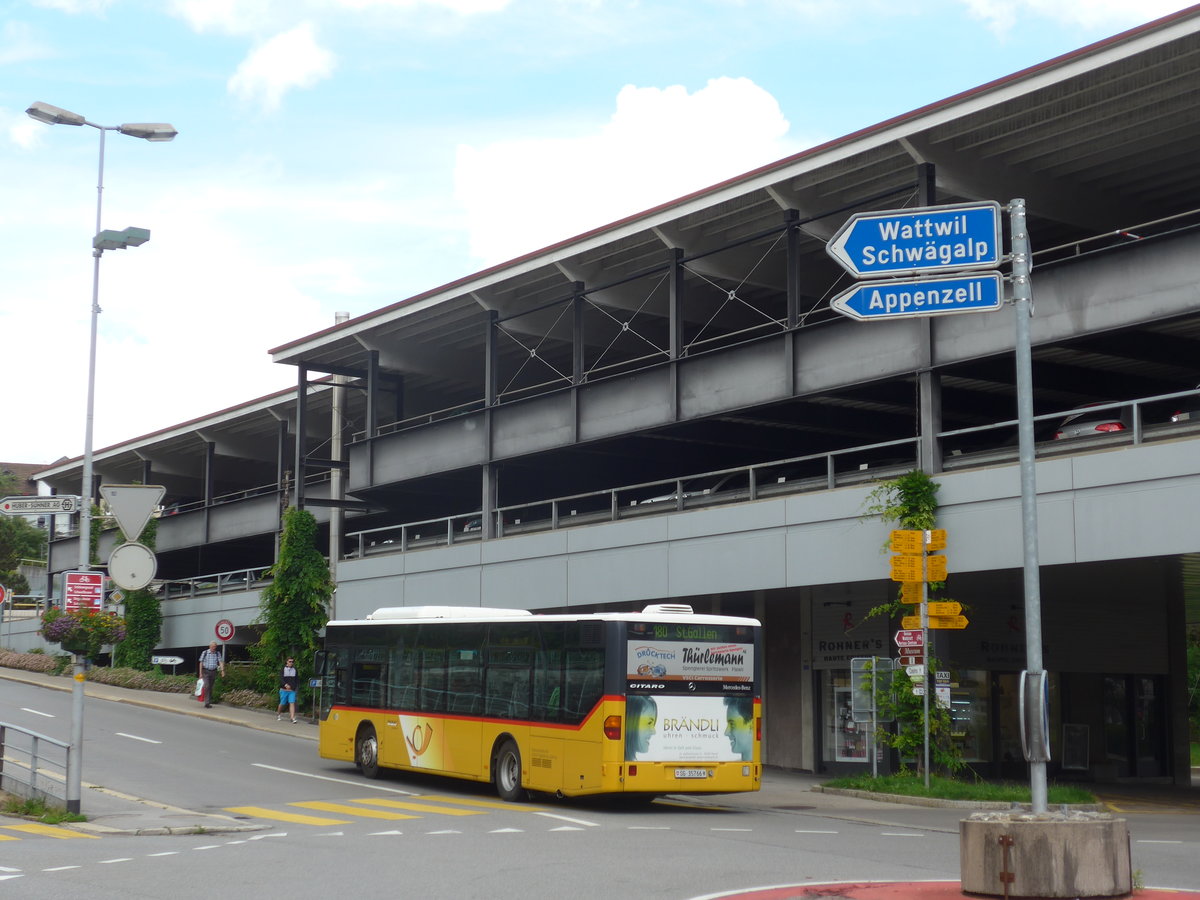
(339, 155)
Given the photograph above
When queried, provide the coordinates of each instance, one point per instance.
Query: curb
(909, 800)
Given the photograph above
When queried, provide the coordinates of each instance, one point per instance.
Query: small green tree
(295, 604)
(909, 501)
(143, 618)
(18, 540)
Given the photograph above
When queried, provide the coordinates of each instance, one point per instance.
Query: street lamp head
(150, 131)
(119, 240)
(53, 115)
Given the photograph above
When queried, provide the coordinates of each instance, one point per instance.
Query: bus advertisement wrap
(676, 661)
(689, 729)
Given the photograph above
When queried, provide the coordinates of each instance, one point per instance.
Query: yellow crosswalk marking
(488, 804)
(351, 810)
(420, 807)
(8, 837)
(50, 831)
(261, 812)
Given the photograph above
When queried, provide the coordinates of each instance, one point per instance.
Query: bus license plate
(691, 773)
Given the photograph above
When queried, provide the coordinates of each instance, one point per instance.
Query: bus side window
(585, 682)
(548, 675)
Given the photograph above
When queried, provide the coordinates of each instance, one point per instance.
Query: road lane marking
(1148, 841)
(357, 784)
(105, 862)
(38, 712)
(260, 812)
(550, 815)
(165, 853)
(487, 804)
(899, 834)
(419, 807)
(7, 837)
(207, 847)
(731, 829)
(6, 868)
(566, 828)
(63, 834)
(507, 831)
(378, 833)
(813, 831)
(134, 737)
(61, 868)
(444, 831)
(347, 810)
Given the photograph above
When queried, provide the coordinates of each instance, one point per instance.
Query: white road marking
(38, 712)
(507, 831)
(105, 862)
(61, 868)
(1147, 841)
(207, 847)
(134, 737)
(360, 784)
(7, 877)
(813, 831)
(569, 819)
(566, 828)
(259, 837)
(165, 853)
(7, 869)
(332, 834)
(731, 829)
(900, 834)
(375, 833)
(446, 831)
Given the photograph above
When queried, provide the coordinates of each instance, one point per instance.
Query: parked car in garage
(1188, 409)
(1088, 422)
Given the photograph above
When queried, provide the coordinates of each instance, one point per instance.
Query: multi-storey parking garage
(668, 408)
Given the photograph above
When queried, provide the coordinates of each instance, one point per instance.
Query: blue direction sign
(915, 241)
(910, 297)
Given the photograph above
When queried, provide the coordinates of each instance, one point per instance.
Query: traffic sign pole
(1023, 309)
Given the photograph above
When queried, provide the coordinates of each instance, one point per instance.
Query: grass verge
(954, 789)
(38, 809)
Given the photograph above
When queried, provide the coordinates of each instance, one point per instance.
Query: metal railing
(215, 583)
(962, 448)
(32, 764)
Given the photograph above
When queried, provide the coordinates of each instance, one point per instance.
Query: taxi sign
(948, 622)
(909, 638)
(914, 541)
(945, 608)
(909, 568)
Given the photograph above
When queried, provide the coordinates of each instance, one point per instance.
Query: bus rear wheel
(507, 772)
(366, 751)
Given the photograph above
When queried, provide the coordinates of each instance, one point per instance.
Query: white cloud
(289, 60)
(658, 145)
(1003, 15)
(18, 43)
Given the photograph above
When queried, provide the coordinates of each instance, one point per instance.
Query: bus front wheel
(508, 772)
(366, 752)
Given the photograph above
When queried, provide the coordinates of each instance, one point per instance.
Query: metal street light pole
(103, 240)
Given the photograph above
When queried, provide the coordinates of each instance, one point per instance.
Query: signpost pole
(925, 647)
(1023, 306)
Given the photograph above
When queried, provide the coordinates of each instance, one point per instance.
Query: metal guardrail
(32, 764)
(814, 472)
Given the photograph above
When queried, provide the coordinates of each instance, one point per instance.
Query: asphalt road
(322, 828)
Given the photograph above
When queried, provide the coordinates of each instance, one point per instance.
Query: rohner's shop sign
(841, 631)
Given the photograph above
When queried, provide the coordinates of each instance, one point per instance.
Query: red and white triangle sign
(132, 505)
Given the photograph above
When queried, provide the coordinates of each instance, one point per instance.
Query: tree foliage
(18, 540)
(143, 618)
(295, 604)
(909, 502)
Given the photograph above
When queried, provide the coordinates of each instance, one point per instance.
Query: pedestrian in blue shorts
(287, 690)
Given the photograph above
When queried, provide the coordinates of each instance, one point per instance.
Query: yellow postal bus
(661, 701)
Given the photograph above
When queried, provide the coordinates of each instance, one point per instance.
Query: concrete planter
(1076, 854)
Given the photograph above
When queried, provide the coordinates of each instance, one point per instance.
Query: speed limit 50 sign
(225, 629)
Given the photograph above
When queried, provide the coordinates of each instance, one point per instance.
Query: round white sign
(132, 566)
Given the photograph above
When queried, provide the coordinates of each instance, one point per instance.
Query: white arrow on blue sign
(911, 297)
(914, 241)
